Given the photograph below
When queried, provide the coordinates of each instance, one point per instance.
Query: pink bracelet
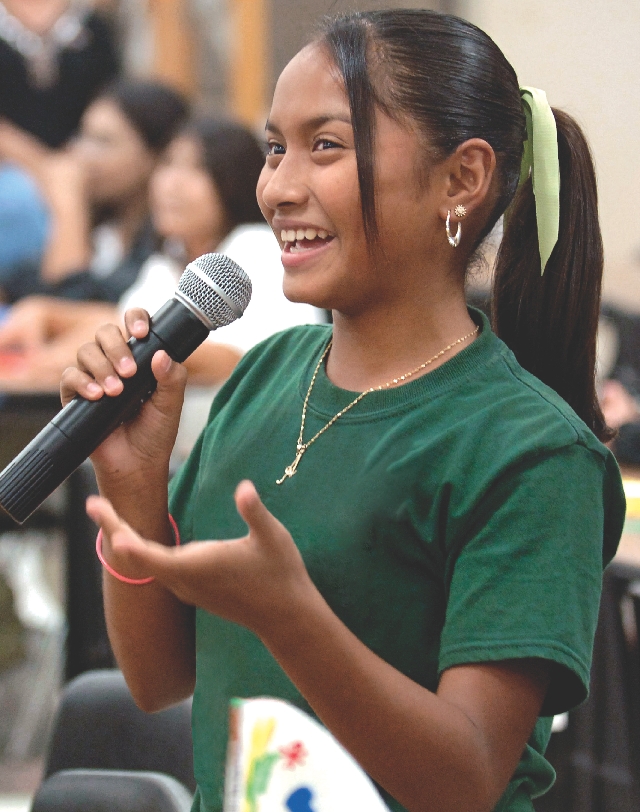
(123, 578)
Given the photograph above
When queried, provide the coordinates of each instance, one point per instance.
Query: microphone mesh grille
(228, 276)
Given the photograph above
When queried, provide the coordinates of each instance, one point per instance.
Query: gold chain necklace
(301, 447)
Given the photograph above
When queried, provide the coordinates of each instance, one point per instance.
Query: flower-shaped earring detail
(459, 211)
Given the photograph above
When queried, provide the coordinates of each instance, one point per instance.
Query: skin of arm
(61, 181)
(47, 332)
(452, 750)
(151, 630)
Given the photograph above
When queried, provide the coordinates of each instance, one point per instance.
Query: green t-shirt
(463, 517)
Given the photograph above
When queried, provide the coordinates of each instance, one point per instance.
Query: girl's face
(184, 200)
(116, 160)
(308, 192)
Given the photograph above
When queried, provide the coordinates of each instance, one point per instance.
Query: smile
(304, 239)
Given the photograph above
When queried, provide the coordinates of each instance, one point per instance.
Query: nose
(285, 185)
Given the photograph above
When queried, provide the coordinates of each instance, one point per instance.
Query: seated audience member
(202, 199)
(23, 220)
(97, 192)
(55, 56)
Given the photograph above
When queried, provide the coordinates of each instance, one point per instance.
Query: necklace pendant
(290, 470)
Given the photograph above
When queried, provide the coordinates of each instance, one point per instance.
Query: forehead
(310, 87)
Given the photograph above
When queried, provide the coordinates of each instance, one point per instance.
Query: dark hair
(155, 111)
(234, 159)
(451, 79)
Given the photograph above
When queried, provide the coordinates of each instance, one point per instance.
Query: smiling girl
(422, 567)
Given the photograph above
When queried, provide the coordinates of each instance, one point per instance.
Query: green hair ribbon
(540, 158)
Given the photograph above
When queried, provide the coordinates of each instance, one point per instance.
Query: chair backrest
(597, 759)
(99, 726)
(109, 790)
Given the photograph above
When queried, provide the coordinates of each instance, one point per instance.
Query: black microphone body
(78, 429)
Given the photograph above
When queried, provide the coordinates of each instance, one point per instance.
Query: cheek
(200, 208)
(267, 212)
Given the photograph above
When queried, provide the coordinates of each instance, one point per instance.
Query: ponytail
(550, 322)
(453, 82)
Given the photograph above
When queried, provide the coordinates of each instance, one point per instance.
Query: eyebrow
(312, 123)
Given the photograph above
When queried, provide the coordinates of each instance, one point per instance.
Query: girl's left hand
(258, 581)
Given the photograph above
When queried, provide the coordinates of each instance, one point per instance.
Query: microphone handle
(82, 425)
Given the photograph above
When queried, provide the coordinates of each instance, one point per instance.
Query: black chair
(111, 791)
(597, 758)
(98, 726)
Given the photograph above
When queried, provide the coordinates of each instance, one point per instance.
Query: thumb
(255, 514)
(172, 379)
(102, 512)
(125, 542)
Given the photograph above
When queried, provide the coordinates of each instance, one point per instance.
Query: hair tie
(540, 159)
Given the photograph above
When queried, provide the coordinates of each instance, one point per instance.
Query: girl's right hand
(139, 450)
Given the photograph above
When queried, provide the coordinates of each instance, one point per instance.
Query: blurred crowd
(110, 185)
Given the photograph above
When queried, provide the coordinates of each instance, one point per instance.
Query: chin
(304, 293)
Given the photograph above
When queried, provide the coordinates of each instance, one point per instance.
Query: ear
(470, 171)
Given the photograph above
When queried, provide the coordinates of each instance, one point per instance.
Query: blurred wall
(586, 55)
(292, 21)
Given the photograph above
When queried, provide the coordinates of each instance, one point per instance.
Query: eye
(323, 144)
(274, 148)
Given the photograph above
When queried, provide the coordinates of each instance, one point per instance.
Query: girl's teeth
(291, 235)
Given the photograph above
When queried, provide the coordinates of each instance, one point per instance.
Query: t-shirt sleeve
(526, 580)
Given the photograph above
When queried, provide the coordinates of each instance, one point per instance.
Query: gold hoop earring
(454, 241)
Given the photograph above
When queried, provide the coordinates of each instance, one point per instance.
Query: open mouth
(304, 239)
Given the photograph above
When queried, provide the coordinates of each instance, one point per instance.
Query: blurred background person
(97, 193)
(202, 199)
(55, 56)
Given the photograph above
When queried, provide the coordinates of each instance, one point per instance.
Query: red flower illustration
(294, 754)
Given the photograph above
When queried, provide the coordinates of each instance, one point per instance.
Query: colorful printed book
(281, 760)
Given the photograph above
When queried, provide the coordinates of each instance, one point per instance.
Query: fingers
(115, 359)
(101, 365)
(136, 321)
(75, 382)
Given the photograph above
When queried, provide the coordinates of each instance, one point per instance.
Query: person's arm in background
(61, 183)
(38, 320)
(212, 363)
(40, 337)
(152, 633)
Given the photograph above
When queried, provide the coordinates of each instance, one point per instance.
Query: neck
(36, 15)
(130, 217)
(384, 343)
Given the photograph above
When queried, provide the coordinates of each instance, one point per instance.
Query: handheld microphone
(213, 291)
